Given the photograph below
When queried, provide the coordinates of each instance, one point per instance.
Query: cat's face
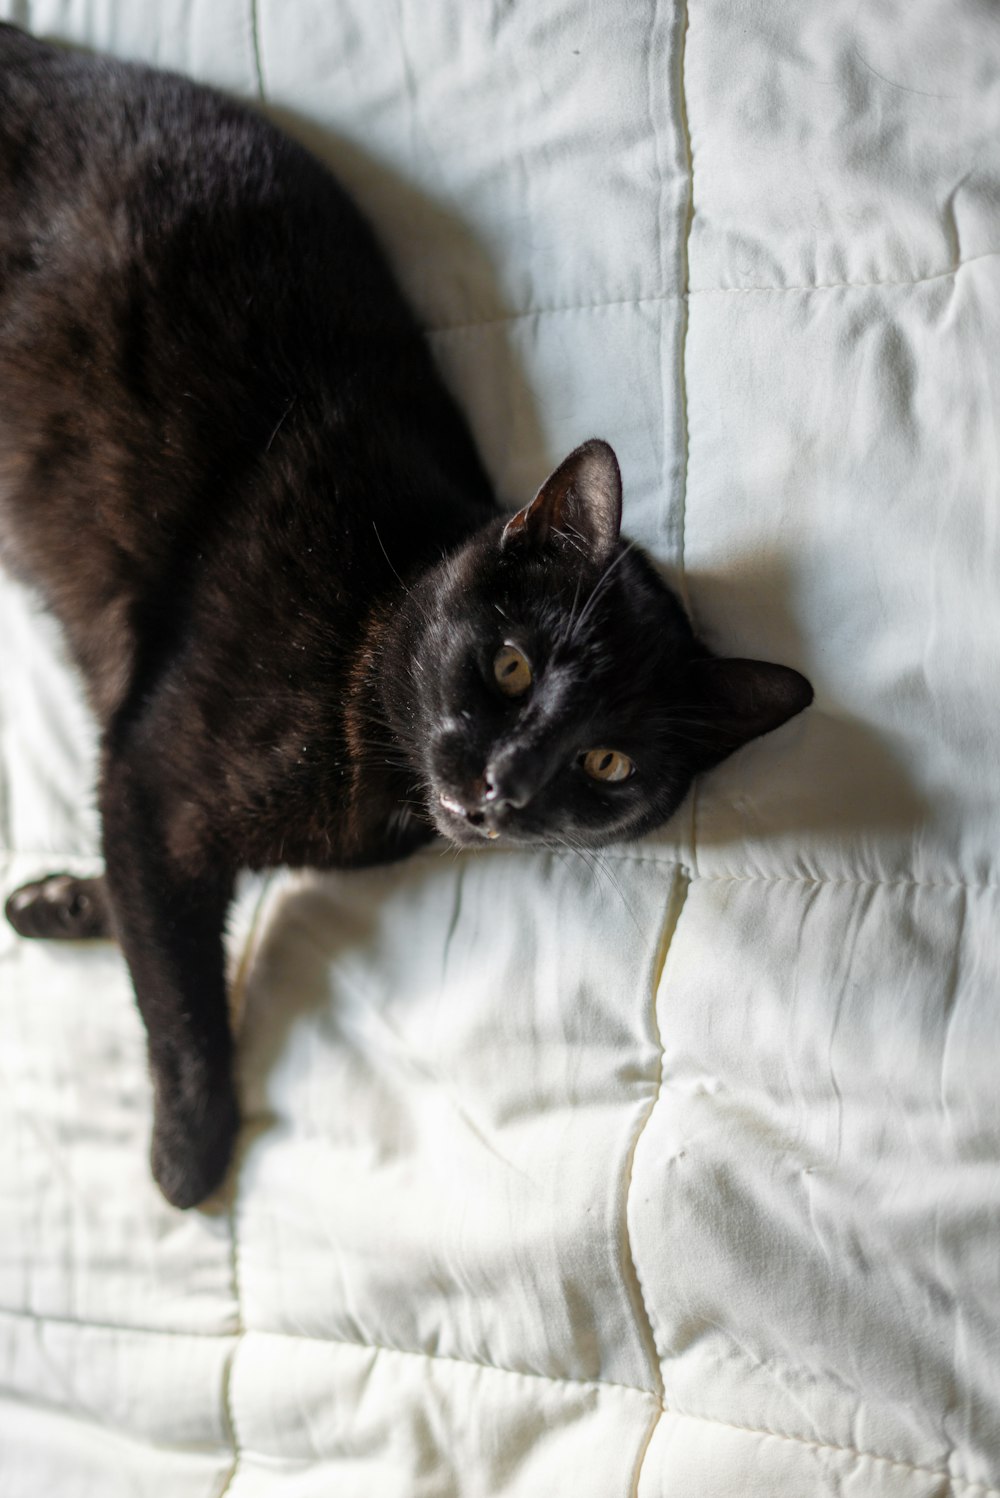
(558, 695)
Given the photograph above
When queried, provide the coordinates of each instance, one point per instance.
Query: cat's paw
(61, 908)
(193, 1145)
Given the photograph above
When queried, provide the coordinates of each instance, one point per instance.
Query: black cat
(230, 467)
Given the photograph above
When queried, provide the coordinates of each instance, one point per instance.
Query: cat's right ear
(579, 505)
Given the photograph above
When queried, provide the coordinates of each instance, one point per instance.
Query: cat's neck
(386, 814)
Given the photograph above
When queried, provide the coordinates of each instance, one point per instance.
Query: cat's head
(550, 688)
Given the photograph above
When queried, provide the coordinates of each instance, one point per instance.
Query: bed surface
(680, 1173)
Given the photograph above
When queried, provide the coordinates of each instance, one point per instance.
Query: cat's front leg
(169, 912)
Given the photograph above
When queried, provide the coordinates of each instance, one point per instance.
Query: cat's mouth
(462, 823)
(476, 818)
(502, 801)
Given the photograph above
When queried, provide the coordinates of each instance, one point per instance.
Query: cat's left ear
(743, 699)
(580, 505)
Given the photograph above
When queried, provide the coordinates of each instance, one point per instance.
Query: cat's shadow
(450, 279)
(445, 271)
(304, 926)
(826, 784)
(852, 780)
(431, 247)
(826, 776)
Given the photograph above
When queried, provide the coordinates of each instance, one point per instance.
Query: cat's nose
(505, 787)
(487, 802)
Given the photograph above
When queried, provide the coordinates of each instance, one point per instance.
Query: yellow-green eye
(512, 672)
(607, 764)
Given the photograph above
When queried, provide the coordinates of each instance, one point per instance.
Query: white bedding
(680, 1176)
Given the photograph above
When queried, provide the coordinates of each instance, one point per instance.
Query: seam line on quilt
(671, 545)
(240, 1332)
(331, 1341)
(643, 1452)
(120, 1328)
(764, 1433)
(255, 47)
(934, 275)
(856, 883)
(679, 892)
(238, 1002)
(443, 330)
(684, 130)
(684, 126)
(669, 858)
(672, 915)
(460, 1362)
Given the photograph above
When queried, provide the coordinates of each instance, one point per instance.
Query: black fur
(228, 464)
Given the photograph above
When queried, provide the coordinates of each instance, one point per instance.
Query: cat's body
(230, 467)
(170, 394)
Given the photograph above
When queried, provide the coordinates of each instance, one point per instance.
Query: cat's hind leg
(61, 907)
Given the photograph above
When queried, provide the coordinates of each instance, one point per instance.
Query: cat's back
(137, 149)
(138, 205)
(198, 337)
(101, 162)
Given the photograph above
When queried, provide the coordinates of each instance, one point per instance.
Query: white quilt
(674, 1174)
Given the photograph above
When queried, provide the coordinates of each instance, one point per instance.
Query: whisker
(601, 584)
(280, 423)
(421, 606)
(597, 865)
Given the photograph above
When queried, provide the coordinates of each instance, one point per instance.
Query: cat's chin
(462, 835)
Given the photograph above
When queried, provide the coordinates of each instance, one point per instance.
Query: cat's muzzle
(474, 812)
(488, 805)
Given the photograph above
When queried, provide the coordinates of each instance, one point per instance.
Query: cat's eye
(511, 671)
(607, 764)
